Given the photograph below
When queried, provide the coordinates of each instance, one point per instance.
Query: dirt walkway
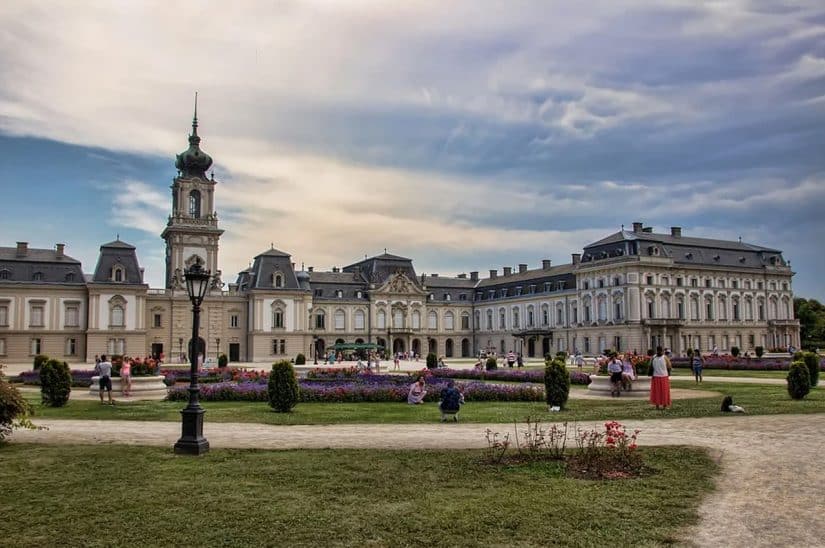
(769, 492)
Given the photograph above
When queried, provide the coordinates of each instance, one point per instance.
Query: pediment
(400, 284)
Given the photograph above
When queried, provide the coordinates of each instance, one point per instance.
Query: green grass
(138, 496)
(757, 400)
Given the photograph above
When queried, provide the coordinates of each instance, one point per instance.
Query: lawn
(137, 496)
(757, 400)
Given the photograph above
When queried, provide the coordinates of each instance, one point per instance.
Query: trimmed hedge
(55, 383)
(812, 363)
(799, 380)
(556, 383)
(282, 388)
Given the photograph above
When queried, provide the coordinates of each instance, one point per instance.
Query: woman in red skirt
(660, 383)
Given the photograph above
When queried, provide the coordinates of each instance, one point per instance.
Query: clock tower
(192, 232)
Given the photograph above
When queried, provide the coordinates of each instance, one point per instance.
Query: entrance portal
(397, 346)
(465, 348)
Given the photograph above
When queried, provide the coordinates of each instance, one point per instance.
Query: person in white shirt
(660, 383)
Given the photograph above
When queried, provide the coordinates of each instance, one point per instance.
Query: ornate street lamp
(192, 441)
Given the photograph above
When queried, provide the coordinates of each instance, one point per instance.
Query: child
(729, 407)
(697, 363)
(126, 378)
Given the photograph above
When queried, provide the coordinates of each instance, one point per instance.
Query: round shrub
(39, 360)
(799, 380)
(300, 359)
(13, 408)
(734, 351)
(491, 364)
(223, 360)
(812, 362)
(556, 383)
(432, 361)
(55, 383)
(282, 389)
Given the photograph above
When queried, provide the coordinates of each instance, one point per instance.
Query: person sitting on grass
(729, 407)
(451, 400)
(417, 392)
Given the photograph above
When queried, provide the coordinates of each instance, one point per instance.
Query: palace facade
(633, 290)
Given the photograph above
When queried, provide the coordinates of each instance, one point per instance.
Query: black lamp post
(192, 441)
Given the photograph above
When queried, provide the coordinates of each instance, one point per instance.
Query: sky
(465, 135)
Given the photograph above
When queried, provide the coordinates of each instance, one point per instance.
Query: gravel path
(769, 492)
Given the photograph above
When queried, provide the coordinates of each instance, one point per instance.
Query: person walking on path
(104, 369)
(660, 383)
(696, 364)
(520, 360)
(511, 358)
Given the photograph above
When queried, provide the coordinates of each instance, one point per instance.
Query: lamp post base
(192, 441)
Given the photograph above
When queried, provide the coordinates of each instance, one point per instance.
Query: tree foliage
(55, 383)
(556, 383)
(283, 387)
(811, 316)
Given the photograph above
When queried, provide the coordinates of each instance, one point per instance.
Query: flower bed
(367, 388)
(80, 377)
(742, 364)
(512, 375)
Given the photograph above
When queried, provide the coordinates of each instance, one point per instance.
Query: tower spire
(195, 117)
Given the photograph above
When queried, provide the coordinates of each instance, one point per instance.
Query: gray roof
(538, 275)
(38, 266)
(626, 235)
(316, 277)
(264, 267)
(378, 269)
(115, 254)
(443, 282)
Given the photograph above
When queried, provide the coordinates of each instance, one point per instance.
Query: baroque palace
(633, 290)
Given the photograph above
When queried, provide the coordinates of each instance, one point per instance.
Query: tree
(283, 387)
(556, 383)
(811, 316)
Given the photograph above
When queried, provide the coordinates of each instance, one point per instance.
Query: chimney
(508, 270)
(493, 274)
(293, 266)
(59, 250)
(546, 264)
(522, 268)
(22, 249)
(462, 276)
(142, 270)
(637, 227)
(676, 231)
(577, 257)
(310, 269)
(474, 275)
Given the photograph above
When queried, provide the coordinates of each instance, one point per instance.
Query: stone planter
(601, 386)
(143, 388)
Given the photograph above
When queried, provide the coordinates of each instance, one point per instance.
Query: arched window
(502, 319)
(117, 316)
(545, 315)
(277, 318)
(432, 320)
(277, 280)
(340, 319)
(531, 318)
(320, 320)
(398, 318)
(195, 204)
(118, 274)
(489, 320)
(416, 319)
(516, 320)
(359, 319)
(449, 321)
(602, 308)
(381, 319)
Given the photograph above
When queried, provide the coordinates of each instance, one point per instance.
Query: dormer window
(37, 276)
(430, 297)
(462, 297)
(118, 274)
(518, 291)
(447, 297)
(5, 274)
(69, 277)
(359, 294)
(339, 294)
(277, 280)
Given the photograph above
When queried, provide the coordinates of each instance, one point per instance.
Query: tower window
(195, 204)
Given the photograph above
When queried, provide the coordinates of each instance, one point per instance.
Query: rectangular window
(319, 292)
(518, 290)
(735, 284)
(71, 347)
(559, 316)
(282, 346)
(711, 342)
(36, 315)
(465, 322)
(707, 282)
(724, 342)
(359, 320)
(679, 282)
(2, 347)
(274, 346)
(587, 345)
(4, 315)
(694, 282)
(761, 285)
(601, 283)
(617, 311)
(650, 280)
(156, 320)
(761, 312)
(545, 317)
(547, 287)
(651, 309)
(35, 347)
(234, 320)
(709, 311)
(574, 314)
(72, 316)
(116, 347)
(587, 313)
(722, 283)
(680, 310)
(319, 321)
(617, 343)
(278, 319)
